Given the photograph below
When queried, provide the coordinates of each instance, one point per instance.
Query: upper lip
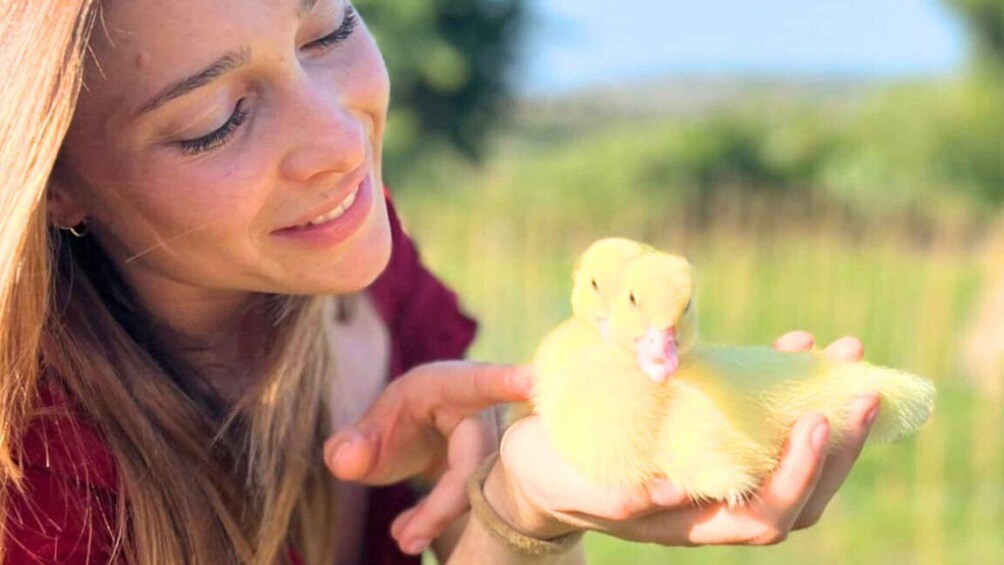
(342, 192)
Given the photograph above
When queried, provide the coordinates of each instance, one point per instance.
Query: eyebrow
(305, 7)
(225, 64)
(228, 62)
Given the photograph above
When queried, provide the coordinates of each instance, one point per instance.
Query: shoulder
(62, 441)
(65, 510)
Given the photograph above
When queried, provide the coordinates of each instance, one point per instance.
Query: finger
(665, 495)
(471, 441)
(431, 517)
(795, 341)
(788, 489)
(468, 447)
(349, 456)
(767, 518)
(397, 526)
(839, 462)
(484, 385)
(845, 349)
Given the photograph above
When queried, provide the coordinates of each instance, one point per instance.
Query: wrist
(513, 506)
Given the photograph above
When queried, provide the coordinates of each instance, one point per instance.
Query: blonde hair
(196, 484)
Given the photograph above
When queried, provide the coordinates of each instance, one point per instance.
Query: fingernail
(872, 414)
(338, 446)
(397, 526)
(820, 434)
(331, 451)
(861, 402)
(665, 493)
(415, 547)
(524, 380)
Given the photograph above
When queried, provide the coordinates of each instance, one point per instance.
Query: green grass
(763, 269)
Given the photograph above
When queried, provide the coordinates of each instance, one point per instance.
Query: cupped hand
(435, 423)
(865, 410)
(541, 495)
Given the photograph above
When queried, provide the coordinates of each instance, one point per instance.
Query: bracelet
(502, 530)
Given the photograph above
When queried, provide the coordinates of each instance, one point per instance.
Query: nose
(327, 137)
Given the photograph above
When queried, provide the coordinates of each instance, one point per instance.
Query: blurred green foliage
(623, 168)
(935, 499)
(985, 19)
(917, 148)
(939, 146)
(449, 63)
(796, 217)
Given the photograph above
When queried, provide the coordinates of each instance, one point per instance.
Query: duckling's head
(596, 278)
(653, 315)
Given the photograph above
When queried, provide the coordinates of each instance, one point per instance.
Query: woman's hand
(434, 422)
(534, 489)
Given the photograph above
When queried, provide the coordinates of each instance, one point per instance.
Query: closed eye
(218, 137)
(221, 136)
(349, 23)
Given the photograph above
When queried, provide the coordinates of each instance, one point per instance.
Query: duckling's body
(730, 410)
(644, 399)
(595, 284)
(600, 423)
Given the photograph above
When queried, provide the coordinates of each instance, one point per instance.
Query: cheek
(187, 197)
(363, 79)
(119, 182)
(195, 208)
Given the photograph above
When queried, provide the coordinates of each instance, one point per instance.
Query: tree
(449, 63)
(985, 19)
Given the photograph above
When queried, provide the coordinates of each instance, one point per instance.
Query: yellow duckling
(595, 283)
(596, 278)
(651, 401)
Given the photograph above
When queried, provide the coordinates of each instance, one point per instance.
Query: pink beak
(657, 354)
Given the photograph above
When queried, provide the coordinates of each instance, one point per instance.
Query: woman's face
(209, 134)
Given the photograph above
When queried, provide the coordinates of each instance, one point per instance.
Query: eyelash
(219, 137)
(349, 23)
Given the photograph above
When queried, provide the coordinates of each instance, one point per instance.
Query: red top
(66, 514)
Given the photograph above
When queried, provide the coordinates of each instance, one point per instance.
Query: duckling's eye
(595, 286)
(634, 301)
(689, 304)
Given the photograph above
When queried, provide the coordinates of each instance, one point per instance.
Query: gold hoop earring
(81, 232)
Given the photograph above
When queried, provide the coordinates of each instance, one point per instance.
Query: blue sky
(581, 42)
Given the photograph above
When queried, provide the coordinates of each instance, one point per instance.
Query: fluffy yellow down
(716, 427)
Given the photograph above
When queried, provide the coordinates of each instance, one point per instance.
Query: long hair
(199, 482)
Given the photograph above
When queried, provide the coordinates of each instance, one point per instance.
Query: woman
(173, 358)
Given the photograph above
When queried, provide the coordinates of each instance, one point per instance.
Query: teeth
(336, 213)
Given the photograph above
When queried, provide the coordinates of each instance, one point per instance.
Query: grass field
(764, 267)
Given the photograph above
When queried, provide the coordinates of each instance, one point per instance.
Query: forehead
(662, 274)
(139, 46)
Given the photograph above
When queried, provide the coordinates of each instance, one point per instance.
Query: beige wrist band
(502, 530)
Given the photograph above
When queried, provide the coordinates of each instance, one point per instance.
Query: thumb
(349, 455)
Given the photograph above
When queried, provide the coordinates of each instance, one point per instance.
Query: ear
(63, 205)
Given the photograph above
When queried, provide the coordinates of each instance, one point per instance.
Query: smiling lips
(334, 223)
(334, 214)
(348, 192)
